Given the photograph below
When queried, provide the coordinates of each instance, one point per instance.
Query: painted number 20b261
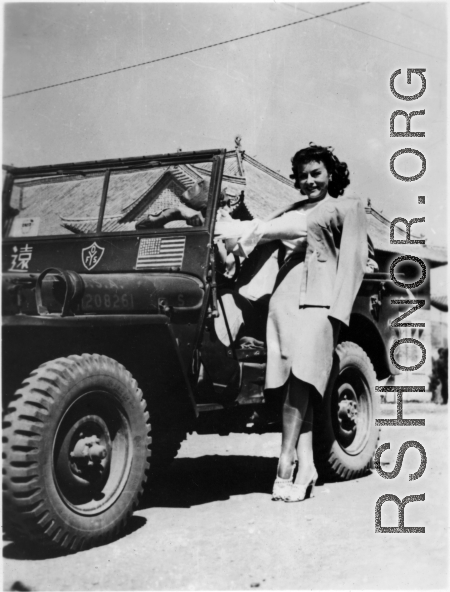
(107, 301)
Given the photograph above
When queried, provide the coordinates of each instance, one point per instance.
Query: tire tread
(26, 511)
(330, 461)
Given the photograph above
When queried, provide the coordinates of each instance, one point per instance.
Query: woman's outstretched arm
(259, 232)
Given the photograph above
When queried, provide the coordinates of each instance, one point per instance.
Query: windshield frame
(216, 157)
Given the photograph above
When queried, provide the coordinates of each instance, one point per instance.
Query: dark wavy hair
(338, 171)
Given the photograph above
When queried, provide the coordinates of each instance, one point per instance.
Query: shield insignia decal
(91, 256)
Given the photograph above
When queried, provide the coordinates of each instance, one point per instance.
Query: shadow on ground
(187, 482)
(194, 481)
(24, 551)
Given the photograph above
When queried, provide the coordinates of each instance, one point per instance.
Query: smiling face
(313, 180)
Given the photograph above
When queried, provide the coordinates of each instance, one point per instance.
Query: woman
(324, 240)
(325, 244)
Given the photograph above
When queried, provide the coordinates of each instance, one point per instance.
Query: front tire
(345, 431)
(76, 447)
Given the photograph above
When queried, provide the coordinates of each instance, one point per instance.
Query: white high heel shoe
(282, 487)
(298, 492)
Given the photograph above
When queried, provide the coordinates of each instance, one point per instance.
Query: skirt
(299, 339)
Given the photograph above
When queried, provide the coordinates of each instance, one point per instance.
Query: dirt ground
(211, 525)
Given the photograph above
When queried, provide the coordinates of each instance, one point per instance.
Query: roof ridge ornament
(238, 148)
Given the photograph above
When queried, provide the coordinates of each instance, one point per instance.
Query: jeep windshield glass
(161, 197)
(138, 199)
(54, 205)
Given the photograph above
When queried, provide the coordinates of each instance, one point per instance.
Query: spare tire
(76, 447)
(345, 433)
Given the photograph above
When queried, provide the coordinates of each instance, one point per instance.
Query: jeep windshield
(130, 195)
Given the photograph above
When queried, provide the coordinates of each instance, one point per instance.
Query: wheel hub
(85, 455)
(348, 413)
(88, 451)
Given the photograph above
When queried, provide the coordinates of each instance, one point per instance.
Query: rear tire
(76, 447)
(345, 433)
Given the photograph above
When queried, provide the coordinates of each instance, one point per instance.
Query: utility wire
(175, 55)
(431, 55)
(376, 36)
(383, 5)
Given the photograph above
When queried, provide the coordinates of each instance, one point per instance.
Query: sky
(324, 80)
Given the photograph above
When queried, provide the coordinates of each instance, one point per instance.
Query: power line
(383, 5)
(175, 55)
(376, 36)
(387, 40)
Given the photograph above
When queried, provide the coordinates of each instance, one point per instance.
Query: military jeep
(110, 354)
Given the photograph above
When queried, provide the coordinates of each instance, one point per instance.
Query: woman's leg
(295, 412)
(305, 445)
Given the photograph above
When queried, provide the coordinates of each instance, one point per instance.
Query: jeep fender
(144, 344)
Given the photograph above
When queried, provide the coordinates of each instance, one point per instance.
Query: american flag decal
(161, 252)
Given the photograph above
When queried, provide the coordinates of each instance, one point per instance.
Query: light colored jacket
(336, 256)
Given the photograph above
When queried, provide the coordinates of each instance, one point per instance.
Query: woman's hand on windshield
(191, 216)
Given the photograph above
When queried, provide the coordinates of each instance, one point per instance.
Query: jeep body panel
(149, 317)
(370, 321)
(145, 344)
